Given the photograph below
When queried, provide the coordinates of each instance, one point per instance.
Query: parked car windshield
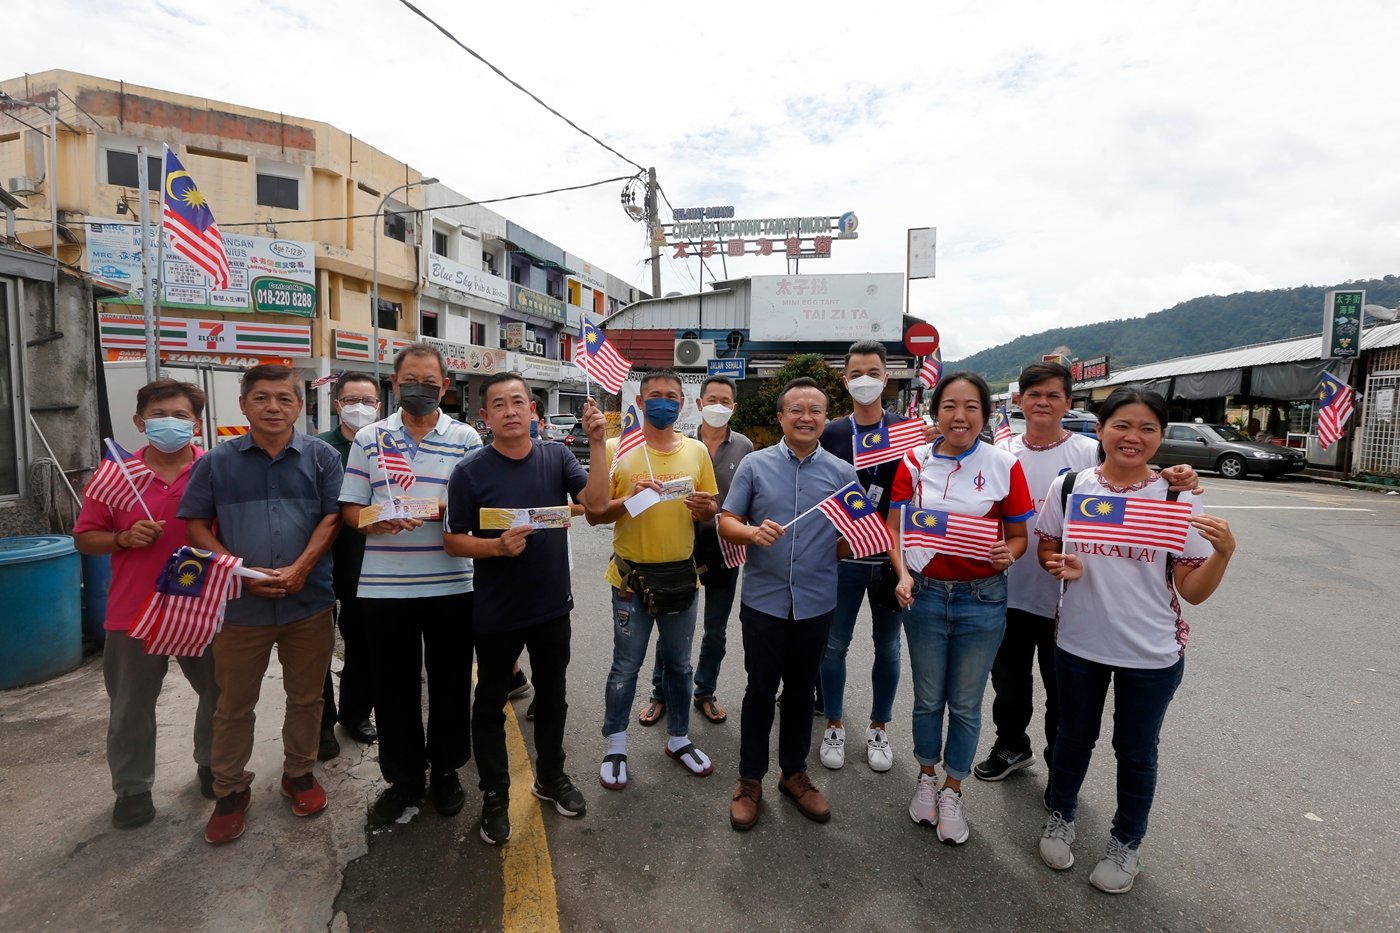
(1226, 432)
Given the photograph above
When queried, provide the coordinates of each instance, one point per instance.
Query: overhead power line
(516, 84)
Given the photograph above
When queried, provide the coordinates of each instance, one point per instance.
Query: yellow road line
(530, 903)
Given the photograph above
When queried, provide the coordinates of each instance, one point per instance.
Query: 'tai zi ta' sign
(1341, 324)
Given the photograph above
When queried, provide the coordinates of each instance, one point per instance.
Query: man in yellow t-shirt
(664, 532)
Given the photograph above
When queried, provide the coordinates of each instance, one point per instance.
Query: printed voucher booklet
(426, 509)
(551, 516)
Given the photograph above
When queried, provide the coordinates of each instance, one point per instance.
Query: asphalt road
(1276, 808)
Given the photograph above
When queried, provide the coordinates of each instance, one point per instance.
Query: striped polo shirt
(413, 563)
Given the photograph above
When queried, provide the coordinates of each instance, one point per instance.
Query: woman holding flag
(960, 524)
(1120, 620)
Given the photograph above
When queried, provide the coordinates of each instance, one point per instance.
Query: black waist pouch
(664, 588)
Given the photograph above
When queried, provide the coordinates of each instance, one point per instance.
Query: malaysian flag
(392, 463)
(629, 440)
(1001, 426)
(886, 442)
(187, 608)
(950, 532)
(322, 380)
(598, 358)
(1126, 520)
(186, 218)
(932, 369)
(735, 555)
(120, 480)
(1336, 398)
(858, 520)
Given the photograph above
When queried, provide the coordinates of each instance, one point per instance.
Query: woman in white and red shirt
(1119, 623)
(957, 605)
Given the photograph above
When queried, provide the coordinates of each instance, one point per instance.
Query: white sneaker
(877, 750)
(833, 752)
(952, 823)
(1116, 871)
(923, 809)
(1055, 842)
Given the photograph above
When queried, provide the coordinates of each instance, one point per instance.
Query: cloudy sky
(1081, 161)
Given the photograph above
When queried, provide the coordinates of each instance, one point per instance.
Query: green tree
(756, 415)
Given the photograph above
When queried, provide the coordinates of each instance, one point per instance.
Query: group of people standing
(429, 590)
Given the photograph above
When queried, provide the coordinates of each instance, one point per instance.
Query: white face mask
(357, 416)
(716, 416)
(865, 389)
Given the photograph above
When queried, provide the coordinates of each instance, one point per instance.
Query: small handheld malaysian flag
(392, 462)
(1001, 426)
(932, 369)
(950, 532)
(186, 218)
(187, 608)
(120, 480)
(886, 442)
(630, 439)
(1336, 398)
(599, 359)
(1150, 523)
(858, 520)
(735, 555)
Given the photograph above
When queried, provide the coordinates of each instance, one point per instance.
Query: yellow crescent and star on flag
(871, 440)
(190, 195)
(925, 519)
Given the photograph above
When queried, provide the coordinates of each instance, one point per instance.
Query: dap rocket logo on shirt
(979, 482)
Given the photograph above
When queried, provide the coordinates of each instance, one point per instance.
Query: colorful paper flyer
(399, 507)
(552, 516)
(677, 488)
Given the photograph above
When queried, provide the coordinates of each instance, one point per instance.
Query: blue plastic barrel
(41, 628)
(97, 579)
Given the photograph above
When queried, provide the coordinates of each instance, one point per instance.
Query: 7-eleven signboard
(352, 345)
(128, 332)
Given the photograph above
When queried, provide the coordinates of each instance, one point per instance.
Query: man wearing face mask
(858, 580)
(356, 404)
(652, 573)
(717, 401)
(166, 412)
(417, 598)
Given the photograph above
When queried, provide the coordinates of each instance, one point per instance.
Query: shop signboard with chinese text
(1341, 324)
(1088, 370)
(799, 308)
(536, 303)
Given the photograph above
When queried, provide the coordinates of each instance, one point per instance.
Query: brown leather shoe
(743, 809)
(808, 799)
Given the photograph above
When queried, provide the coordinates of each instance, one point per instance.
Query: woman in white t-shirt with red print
(957, 605)
(1120, 622)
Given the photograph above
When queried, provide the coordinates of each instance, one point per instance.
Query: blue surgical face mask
(661, 413)
(169, 434)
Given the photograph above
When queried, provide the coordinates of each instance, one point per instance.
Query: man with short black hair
(417, 598)
(522, 591)
(273, 495)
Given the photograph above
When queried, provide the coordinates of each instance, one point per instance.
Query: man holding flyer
(522, 592)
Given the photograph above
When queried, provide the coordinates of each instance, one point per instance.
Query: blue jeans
(719, 600)
(1140, 700)
(954, 629)
(855, 584)
(632, 626)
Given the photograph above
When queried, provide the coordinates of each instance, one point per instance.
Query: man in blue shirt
(274, 496)
(787, 602)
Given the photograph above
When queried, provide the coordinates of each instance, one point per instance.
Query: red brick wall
(133, 108)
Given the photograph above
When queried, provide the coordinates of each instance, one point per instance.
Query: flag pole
(152, 338)
(160, 248)
(121, 465)
(805, 514)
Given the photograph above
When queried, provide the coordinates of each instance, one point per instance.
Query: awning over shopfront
(1207, 385)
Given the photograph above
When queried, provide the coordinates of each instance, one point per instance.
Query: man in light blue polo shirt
(787, 601)
(416, 599)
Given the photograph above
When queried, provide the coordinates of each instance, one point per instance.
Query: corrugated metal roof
(720, 308)
(1296, 350)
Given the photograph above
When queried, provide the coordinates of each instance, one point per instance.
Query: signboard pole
(158, 289)
(152, 335)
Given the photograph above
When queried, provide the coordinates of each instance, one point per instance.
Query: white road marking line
(1289, 508)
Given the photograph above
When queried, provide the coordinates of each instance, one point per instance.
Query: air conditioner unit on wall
(694, 353)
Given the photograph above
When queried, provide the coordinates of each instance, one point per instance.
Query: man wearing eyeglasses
(788, 601)
(417, 598)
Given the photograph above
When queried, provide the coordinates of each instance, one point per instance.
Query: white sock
(617, 743)
(677, 742)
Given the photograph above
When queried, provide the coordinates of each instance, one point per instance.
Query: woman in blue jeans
(956, 603)
(1120, 622)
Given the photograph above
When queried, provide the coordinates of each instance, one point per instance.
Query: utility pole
(147, 295)
(653, 225)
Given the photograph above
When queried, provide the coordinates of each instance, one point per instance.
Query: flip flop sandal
(689, 749)
(709, 708)
(651, 713)
(619, 780)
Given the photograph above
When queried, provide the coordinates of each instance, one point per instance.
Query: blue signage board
(733, 368)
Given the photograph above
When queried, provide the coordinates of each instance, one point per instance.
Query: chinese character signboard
(536, 303)
(266, 275)
(1090, 369)
(1341, 324)
(826, 307)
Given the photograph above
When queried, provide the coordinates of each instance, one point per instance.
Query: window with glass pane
(9, 451)
(122, 170)
(439, 243)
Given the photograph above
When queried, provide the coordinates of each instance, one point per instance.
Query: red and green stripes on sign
(123, 332)
(128, 332)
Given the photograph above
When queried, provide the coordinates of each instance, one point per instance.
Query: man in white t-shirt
(1045, 451)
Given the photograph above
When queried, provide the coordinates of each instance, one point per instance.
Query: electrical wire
(83, 111)
(516, 84)
(43, 133)
(713, 278)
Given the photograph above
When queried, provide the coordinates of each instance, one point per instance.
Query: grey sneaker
(923, 809)
(1055, 842)
(1115, 872)
(952, 822)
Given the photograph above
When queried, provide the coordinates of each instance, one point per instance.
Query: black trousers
(356, 692)
(1029, 640)
(787, 651)
(404, 634)
(496, 654)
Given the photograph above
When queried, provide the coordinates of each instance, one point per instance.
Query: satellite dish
(1382, 313)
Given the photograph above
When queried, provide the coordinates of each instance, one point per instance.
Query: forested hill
(1201, 325)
